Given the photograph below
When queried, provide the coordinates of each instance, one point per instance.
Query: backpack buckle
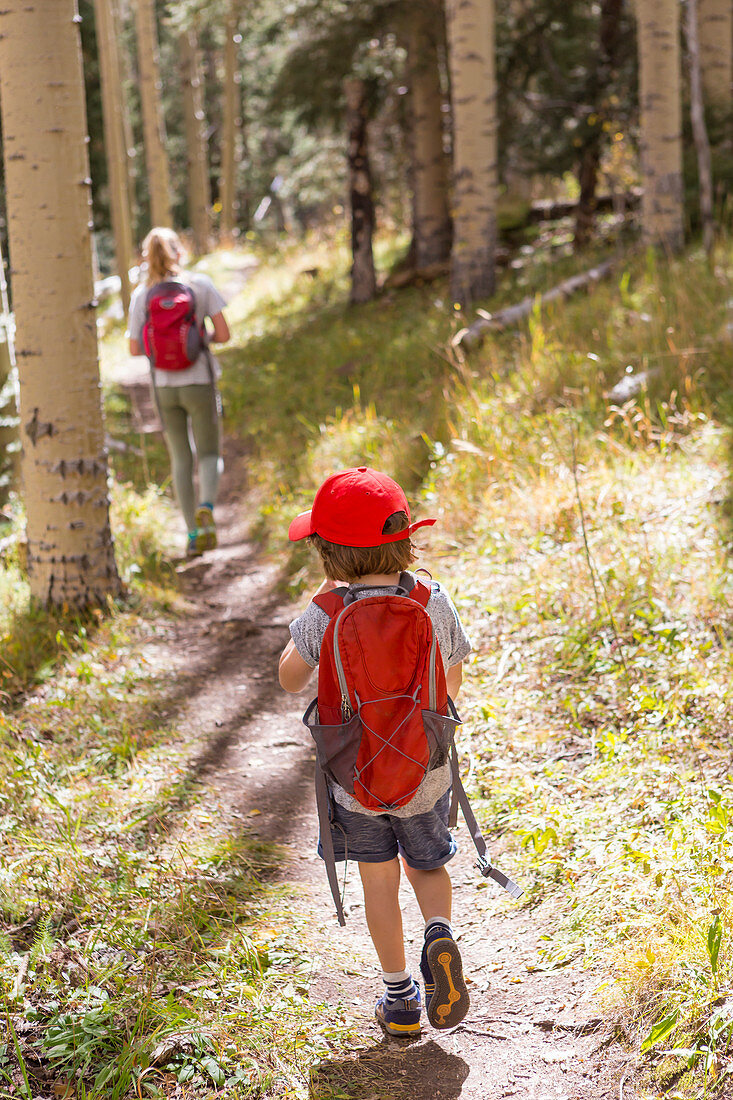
(484, 865)
(488, 871)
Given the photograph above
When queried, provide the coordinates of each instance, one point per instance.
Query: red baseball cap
(351, 508)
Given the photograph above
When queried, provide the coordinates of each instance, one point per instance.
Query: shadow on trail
(227, 688)
(393, 1071)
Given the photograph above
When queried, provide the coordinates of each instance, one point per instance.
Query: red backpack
(381, 685)
(171, 337)
(382, 718)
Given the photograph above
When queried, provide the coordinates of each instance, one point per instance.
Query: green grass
(141, 938)
(587, 547)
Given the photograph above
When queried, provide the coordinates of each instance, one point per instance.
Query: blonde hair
(162, 251)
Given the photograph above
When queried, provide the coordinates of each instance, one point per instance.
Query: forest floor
(167, 924)
(531, 1032)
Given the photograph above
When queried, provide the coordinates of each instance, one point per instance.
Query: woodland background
(487, 248)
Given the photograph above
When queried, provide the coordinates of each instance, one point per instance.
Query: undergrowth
(586, 540)
(588, 537)
(141, 943)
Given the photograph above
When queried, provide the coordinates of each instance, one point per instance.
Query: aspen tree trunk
(64, 464)
(363, 276)
(8, 417)
(9, 423)
(199, 199)
(121, 15)
(473, 82)
(715, 23)
(661, 122)
(432, 228)
(227, 187)
(156, 157)
(699, 129)
(114, 143)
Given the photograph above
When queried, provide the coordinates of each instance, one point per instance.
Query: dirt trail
(530, 1034)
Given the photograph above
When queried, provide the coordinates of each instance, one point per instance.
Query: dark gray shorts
(424, 841)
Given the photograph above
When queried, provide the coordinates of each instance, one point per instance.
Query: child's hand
(327, 585)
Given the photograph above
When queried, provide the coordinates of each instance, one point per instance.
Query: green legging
(197, 407)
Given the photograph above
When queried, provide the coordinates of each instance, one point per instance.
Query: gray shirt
(209, 302)
(307, 633)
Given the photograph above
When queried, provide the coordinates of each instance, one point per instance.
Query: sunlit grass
(586, 543)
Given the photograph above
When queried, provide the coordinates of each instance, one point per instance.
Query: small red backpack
(382, 700)
(382, 718)
(171, 337)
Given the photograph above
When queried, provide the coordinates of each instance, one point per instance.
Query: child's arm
(293, 672)
(454, 679)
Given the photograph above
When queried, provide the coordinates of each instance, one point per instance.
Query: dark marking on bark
(36, 429)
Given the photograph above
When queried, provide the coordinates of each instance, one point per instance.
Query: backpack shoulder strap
(323, 800)
(331, 602)
(414, 588)
(460, 798)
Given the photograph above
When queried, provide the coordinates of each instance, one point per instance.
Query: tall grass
(587, 540)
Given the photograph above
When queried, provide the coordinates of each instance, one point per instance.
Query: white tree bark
(227, 187)
(661, 122)
(156, 156)
(473, 80)
(715, 22)
(114, 143)
(64, 466)
(197, 163)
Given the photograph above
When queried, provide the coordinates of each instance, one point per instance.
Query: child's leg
(398, 1009)
(381, 883)
(425, 839)
(433, 891)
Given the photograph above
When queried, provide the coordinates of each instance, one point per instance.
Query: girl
(188, 399)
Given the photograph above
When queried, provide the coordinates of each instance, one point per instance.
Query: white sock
(443, 921)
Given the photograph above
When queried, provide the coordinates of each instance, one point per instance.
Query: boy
(360, 525)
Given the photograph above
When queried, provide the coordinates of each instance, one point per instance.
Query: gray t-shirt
(307, 632)
(209, 302)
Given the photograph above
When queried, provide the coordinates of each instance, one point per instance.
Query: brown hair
(348, 563)
(162, 251)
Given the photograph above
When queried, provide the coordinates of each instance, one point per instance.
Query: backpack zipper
(347, 710)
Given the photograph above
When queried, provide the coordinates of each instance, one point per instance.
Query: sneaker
(205, 528)
(400, 1017)
(446, 996)
(193, 550)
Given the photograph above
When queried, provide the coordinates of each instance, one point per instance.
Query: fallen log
(411, 276)
(548, 210)
(471, 336)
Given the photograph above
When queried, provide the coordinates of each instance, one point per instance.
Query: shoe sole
(401, 1031)
(450, 1001)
